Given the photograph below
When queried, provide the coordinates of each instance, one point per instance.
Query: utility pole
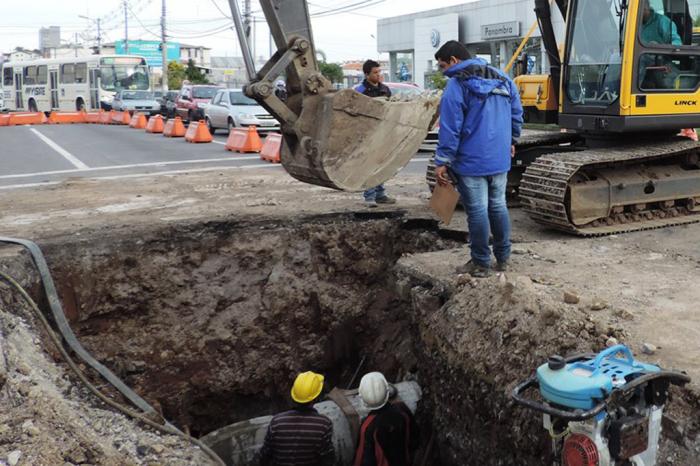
(126, 29)
(75, 46)
(99, 38)
(164, 46)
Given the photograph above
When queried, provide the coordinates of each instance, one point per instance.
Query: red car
(191, 100)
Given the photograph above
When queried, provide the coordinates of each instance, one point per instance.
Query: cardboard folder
(444, 201)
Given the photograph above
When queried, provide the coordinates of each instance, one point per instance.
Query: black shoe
(371, 203)
(502, 266)
(386, 200)
(475, 270)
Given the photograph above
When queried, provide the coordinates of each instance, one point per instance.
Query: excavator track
(546, 185)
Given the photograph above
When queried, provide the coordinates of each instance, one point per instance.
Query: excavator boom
(338, 139)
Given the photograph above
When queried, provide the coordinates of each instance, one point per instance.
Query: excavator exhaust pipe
(337, 139)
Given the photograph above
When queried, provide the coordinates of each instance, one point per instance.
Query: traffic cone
(138, 121)
(198, 132)
(271, 148)
(126, 119)
(155, 124)
(174, 128)
(106, 117)
(689, 133)
(244, 140)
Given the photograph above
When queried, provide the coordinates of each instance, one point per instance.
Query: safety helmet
(374, 390)
(307, 387)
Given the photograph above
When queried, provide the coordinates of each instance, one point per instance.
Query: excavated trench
(210, 323)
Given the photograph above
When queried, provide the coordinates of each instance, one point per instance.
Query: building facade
(492, 29)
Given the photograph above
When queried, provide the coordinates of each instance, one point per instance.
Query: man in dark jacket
(301, 436)
(480, 118)
(372, 86)
(388, 436)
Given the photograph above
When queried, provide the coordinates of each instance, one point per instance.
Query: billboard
(150, 50)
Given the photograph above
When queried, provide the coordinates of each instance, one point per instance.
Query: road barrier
(198, 132)
(93, 117)
(244, 140)
(121, 118)
(138, 121)
(61, 118)
(106, 117)
(4, 119)
(33, 118)
(174, 128)
(271, 148)
(155, 124)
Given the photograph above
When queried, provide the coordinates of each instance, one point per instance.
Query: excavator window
(668, 24)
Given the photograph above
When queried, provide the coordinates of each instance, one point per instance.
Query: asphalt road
(49, 154)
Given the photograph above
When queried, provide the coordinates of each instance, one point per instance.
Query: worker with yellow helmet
(300, 436)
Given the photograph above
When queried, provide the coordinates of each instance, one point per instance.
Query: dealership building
(492, 29)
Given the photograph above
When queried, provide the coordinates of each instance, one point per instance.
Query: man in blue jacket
(480, 118)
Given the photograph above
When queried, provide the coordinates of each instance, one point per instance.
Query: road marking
(67, 155)
(133, 165)
(219, 142)
(138, 175)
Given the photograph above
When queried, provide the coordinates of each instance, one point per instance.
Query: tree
(438, 80)
(332, 71)
(194, 74)
(176, 74)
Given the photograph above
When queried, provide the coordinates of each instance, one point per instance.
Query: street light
(99, 34)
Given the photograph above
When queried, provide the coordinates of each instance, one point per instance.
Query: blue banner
(150, 50)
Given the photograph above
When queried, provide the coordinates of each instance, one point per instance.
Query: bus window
(7, 77)
(80, 72)
(29, 75)
(41, 74)
(68, 73)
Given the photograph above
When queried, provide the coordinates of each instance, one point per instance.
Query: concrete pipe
(238, 443)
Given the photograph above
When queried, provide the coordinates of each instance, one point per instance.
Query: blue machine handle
(608, 353)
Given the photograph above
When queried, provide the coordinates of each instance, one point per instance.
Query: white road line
(134, 165)
(219, 142)
(140, 175)
(67, 155)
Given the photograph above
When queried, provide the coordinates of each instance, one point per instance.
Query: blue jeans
(484, 199)
(372, 194)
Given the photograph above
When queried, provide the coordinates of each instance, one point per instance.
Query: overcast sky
(341, 36)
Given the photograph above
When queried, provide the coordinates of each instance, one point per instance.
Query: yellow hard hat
(307, 387)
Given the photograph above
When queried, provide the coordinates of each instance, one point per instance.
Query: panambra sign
(500, 30)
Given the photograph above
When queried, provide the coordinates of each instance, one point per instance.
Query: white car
(230, 108)
(136, 101)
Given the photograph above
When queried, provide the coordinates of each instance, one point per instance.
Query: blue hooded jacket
(480, 117)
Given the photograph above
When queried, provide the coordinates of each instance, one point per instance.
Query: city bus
(71, 84)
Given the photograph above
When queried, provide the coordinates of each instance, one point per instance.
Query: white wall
(446, 27)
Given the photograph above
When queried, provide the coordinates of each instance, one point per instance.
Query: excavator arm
(338, 139)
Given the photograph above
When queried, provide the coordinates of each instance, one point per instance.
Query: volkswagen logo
(435, 37)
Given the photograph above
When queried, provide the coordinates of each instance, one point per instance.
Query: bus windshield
(117, 76)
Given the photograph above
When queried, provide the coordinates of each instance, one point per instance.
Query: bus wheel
(32, 106)
(80, 105)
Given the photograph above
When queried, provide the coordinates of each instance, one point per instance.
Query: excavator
(625, 83)
(339, 139)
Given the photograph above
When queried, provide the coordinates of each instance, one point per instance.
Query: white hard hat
(374, 390)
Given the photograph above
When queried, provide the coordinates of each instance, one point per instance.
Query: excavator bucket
(338, 139)
(357, 142)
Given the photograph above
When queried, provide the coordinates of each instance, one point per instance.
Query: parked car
(192, 99)
(135, 101)
(167, 104)
(410, 89)
(232, 108)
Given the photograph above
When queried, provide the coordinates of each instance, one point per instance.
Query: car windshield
(158, 94)
(238, 98)
(203, 92)
(137, 95)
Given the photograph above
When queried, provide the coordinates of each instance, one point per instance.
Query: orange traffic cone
(271, 148)
(106, 117)
(198, 132)
(689, 133)
(138, 121)
(174, 128)
(126, 119)
(155, 124)
(244, 140)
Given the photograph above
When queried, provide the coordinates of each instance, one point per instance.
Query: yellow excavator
(340, 139)
(626, 81)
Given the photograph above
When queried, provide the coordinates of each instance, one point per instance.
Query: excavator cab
(338, 139)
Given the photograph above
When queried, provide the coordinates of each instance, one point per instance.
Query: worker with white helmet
(301, 436)
(388, 436)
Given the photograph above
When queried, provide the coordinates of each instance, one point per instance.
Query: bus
(70, 84)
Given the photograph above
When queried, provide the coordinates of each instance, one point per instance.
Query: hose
(50, 289)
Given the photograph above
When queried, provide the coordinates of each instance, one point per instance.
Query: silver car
(136, 101)
(230, 108)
